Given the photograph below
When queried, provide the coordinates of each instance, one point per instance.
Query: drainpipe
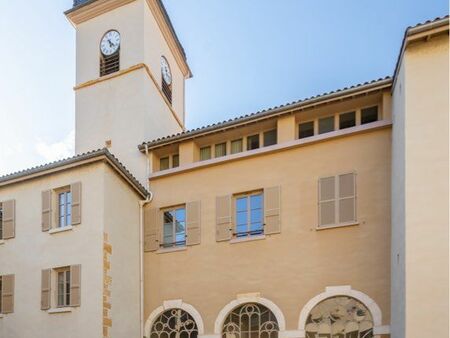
(142, 204)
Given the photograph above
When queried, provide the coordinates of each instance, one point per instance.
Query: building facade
(315, 219)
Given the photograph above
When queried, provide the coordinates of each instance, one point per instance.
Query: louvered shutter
(347, 198)
(152, 225)
(45, 288)
(9, 222)
(75, 285)
(327, 201)
(7, 294)
(272, 210)
(75, 190)
(223, 218)
(193, 218)
(46, 210)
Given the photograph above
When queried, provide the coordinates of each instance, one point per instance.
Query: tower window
(110, 53)
(166, 79)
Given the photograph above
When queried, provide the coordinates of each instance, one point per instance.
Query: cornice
(92, 9)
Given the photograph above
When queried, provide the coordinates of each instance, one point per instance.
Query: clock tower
(130, 73)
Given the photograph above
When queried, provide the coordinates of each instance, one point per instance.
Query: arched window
(339, 317)
(174, 323)
(250, 320)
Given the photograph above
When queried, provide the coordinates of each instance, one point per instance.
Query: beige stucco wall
(128, 109)
(121, 215)
(292, 267)
(33, 250)
(425, 194)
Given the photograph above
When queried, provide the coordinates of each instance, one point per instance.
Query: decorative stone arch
(174, 304)
(244, 299)
(346, 290)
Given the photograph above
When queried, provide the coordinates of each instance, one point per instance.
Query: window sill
(60, 310)
(175, 249)
(247, 239)
(343, 225)
(57, 230)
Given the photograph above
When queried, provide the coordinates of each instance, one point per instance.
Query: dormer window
(110, 53)
(166, 79)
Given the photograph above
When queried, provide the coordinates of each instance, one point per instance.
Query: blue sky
(245, 56)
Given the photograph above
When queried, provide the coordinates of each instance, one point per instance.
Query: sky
(246, 55)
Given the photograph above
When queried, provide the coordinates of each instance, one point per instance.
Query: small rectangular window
(306, 129)
(1, 227)
(220, 149)
(253, 142)
(326, 124)
(369, 115)
(205, 153)
(175, 161)
(270, 138)
(236, 146)
(164, 163)
(1, 294)
(347, 120)
(64, 209)
(174, 227)
(249, 215)
(63, 281)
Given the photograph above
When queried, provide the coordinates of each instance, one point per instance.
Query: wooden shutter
(223, 218)
(7, 294)
(9, 219)
(75, 190)
(193, 217)
(75, 285)
(272, 208)
(45, 288)
(327, 201)
(46, 210)
(347, 198)
(152, 226)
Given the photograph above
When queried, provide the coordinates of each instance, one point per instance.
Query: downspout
(142, 204)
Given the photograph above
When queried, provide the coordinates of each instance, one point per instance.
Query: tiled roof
(73, 160)
(268, 112)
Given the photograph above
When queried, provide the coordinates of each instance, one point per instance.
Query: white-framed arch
(174, 304)
(248, 298)
(346, 290)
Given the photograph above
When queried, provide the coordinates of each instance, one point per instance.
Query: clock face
(165, 70)
(110, 43)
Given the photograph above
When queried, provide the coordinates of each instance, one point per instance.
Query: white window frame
(248, 209)
(66, 287)
(67, 208)
(175, 244)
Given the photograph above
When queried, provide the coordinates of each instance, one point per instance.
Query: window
(174, 228)
(205, 153)
(220, 150)
(1, 294)
(1, 226)
(345, 316)
(369, 115)
(249, 214)
(270, 138)
(164, 163)
(110, 53)
(326, 124)
(347, 120)
(250, 320)
(306, 129)
(64, 209)
(174, 323)
(166, 79)
(253, 142)
(63, 287)
(236, 146)
(337, 200)
(175, 161)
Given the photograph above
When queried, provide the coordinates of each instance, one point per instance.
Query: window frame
(67, 208)
(180, 244)
(368, 107)
(333, 117)
(256, 137)
(1, 229)
(209, 148)
(248, 210)
(354, 112)
(1, 292)
(215, 149)
(263, 133)
(66, 294)
(306, 122)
